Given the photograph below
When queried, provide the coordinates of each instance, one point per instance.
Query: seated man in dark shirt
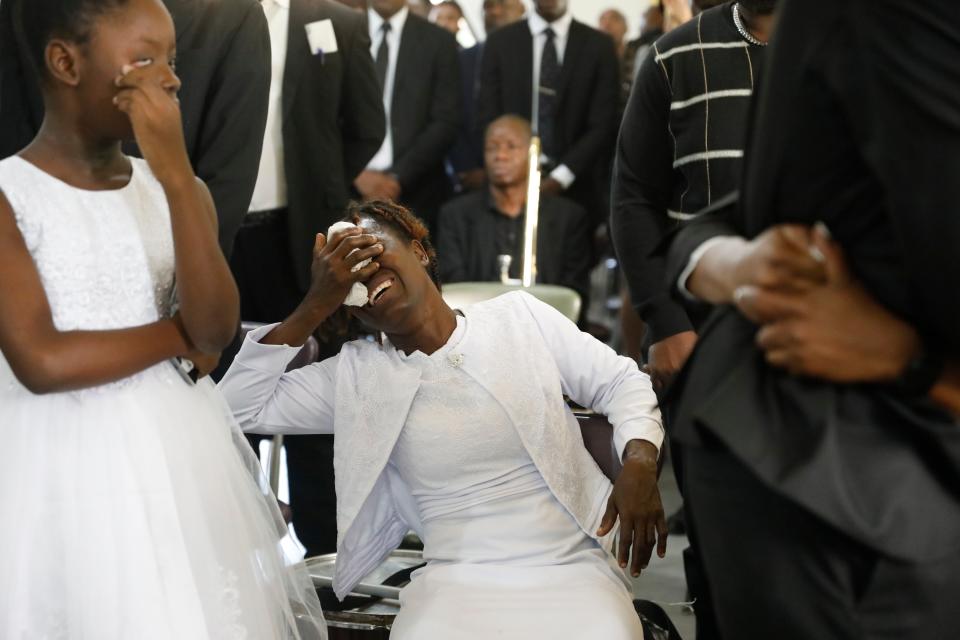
(475, 229)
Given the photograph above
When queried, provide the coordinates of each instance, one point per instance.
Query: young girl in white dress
(128, 499)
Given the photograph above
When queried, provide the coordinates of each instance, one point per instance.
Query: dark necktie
(383, 56)
(547, 93)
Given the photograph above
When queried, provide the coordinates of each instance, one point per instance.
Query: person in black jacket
(466, 156)
(325, 122)
(477, 228)
(680, 148)
(223, 51)
(576, 104)
(822, 448)
(419, 77)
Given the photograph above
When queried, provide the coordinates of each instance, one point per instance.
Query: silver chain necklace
(738, 21)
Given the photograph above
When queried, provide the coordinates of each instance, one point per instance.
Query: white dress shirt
(383, 159)
(270, 191)
(561, 29)
(692, 263)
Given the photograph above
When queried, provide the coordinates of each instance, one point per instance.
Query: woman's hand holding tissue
(332, 277)
(334, 272)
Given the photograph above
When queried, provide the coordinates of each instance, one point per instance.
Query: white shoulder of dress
(142, 170)
(14, 167)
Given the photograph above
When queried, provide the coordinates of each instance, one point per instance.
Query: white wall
(586, 11)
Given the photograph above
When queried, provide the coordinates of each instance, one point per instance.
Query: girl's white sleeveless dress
(133, 510)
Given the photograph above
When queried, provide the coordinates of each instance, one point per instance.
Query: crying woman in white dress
(127, 497)
(455, 425)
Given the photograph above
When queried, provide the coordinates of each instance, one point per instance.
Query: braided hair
(36, 22)
(342, 326)
(403, 222)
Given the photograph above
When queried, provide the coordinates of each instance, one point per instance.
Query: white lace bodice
(458, 447)
(480, 497)
(105, 257)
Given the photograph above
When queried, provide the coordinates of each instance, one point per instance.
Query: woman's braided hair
(343, 326)
(402, 221)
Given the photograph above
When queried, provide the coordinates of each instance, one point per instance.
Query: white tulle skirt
(135, 511)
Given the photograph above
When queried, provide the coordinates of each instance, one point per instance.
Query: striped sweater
(680, 148)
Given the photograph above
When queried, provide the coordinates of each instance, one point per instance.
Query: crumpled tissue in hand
(358, 295)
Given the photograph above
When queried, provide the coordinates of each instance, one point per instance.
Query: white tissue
(358, 295)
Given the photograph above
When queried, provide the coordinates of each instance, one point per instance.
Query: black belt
(260, 218)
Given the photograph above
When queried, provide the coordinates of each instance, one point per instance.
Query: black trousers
(313, 498)
(778, 571)
(693, 566)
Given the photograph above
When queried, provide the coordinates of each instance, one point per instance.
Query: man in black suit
(481, 226)
(574, 110)
(325, 122)
(223, 60)
(419, 76)
(466, 156)
(827, 497)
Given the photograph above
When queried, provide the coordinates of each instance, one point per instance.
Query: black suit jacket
(467, 243)
(588, 99)
(467, 152)
(223, 60)
(857, 125)
(424, 114)
(333, 123)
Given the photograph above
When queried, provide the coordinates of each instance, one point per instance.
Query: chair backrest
(598, 439)
(461, 295)
(309, 352)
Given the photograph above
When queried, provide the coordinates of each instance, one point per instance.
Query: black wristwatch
(920, 374)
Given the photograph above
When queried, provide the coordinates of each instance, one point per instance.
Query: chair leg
(273, 468)
(656, 623)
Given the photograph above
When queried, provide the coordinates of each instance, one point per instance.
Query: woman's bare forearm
(209, 302)
(65, 361)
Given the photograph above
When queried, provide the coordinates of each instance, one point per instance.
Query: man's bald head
(505, 149)
(498, 13)
(613, 23)
(513, 122)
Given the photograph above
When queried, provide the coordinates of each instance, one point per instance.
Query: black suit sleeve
(363, 118)
(21, 105)
(597, 136)
(906, 114)
(431, 144)
(451, 238)
(577, 252)
(489, 101)
(227, 156)
(642, 187)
